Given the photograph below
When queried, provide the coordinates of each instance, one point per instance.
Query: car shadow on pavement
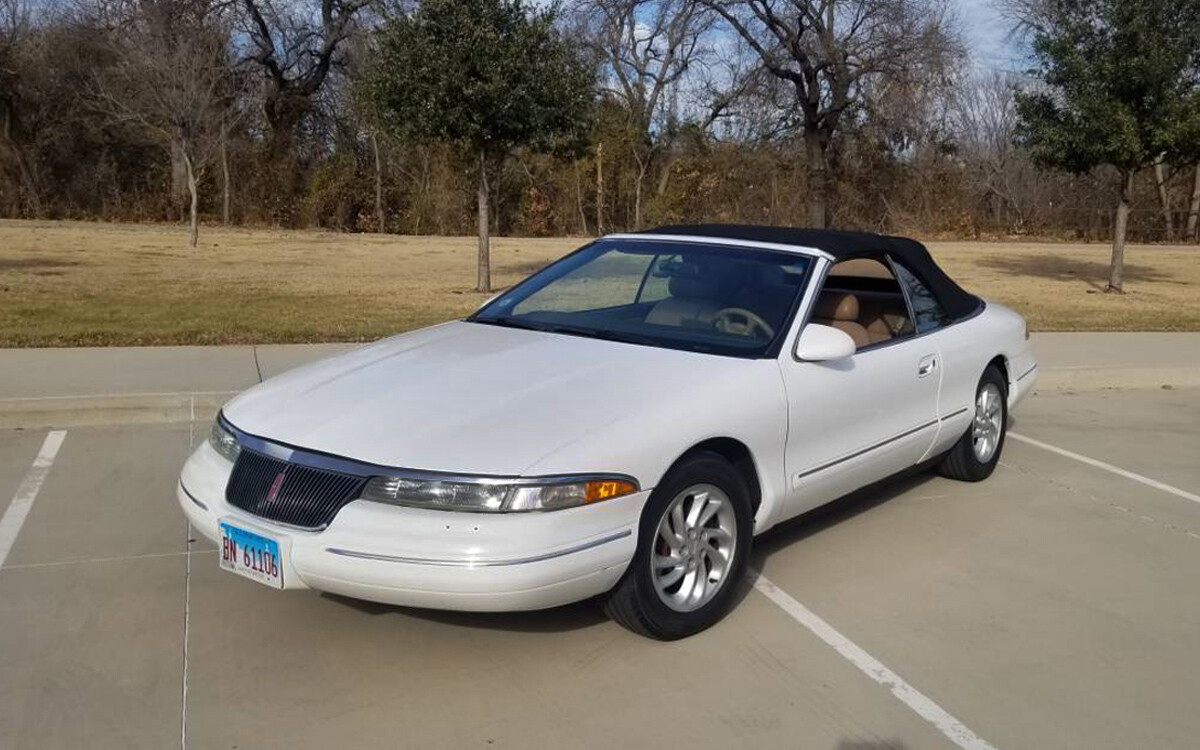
(817, 520)
(575, 616)
(588, 613)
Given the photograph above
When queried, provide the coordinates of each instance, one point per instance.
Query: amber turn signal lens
(608, 489)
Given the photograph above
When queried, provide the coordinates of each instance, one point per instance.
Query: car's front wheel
(693, 544)
(975, 455)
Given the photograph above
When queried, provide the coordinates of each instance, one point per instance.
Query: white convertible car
(620, 424)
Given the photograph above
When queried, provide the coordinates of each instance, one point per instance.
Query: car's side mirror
(819, 343)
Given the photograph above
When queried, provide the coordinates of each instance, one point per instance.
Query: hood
(467, 397)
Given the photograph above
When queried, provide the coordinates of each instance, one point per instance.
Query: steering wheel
(741, 322)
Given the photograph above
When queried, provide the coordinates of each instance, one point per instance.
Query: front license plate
(251, 555)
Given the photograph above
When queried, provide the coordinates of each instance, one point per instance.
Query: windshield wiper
(513, 323)
(591, 333)
(604, 335)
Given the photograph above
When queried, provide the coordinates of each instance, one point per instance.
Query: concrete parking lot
(1054, 605)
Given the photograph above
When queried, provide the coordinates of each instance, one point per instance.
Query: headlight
(496, 495)
(223, 441)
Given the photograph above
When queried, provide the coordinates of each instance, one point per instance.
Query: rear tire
(700, 515)
(974, 457)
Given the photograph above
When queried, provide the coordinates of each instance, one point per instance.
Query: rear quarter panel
(966, 349)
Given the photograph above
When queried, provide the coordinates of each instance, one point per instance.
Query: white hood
(467, 397)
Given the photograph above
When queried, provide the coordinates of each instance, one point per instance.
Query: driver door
(857, 420)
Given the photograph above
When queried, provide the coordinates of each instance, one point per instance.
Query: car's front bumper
(436, 559)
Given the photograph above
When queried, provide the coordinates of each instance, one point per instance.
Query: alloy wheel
(989, 421)
(694, 547)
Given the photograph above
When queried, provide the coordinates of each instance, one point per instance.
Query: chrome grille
(305, 496)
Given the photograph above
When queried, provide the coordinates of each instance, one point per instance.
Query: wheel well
(1001, 364)
(736, 453)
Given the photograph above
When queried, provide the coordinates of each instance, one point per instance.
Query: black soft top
(842, 245)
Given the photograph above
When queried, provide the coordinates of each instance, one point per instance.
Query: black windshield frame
(650, 246)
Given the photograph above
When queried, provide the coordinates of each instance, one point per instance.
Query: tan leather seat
(871, 317)
(840, 310)
(691, 303)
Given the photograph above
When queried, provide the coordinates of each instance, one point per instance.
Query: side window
(927, 310)
(862, 297)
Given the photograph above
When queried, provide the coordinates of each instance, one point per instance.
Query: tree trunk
(193, 192)
(380, 219)
(637, 189)
(1117, 268)
(600, 189)
(818, 179)
(1164, 200)
(579, 200)
(485, 271)
(179, 187)
(225, 189)
(1194, 209)
(637, 200)
(664, 177)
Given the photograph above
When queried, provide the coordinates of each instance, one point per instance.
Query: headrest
(836, 306)
(694, 287)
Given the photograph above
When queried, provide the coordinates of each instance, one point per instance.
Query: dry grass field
(76, 283)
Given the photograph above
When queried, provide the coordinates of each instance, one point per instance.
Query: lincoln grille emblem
(274, 491)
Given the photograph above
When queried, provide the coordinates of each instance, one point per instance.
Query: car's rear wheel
(975, 455)
(693, 544)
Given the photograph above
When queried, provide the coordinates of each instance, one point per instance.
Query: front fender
(743, 401)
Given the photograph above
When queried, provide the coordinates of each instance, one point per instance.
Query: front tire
(693, 545)
(974, 457)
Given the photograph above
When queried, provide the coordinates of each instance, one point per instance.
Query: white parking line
(27, 492)
(952, 728)
(1108, 467)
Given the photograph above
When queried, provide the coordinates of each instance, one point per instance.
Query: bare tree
(14, 29)
(999, 171)
(295, 45)
(173, 78)
(646, 47)
(830, 51)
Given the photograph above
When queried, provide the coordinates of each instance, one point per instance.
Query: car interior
(734, 296)
(711, 298)
(862, 297)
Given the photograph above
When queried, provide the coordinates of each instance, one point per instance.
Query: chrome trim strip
(953, 414)
(1027, 372)
(697, 239)
(191, 496)
(480, 563)
(868, 449)
(354, 467)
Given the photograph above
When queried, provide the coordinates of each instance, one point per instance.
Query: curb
(136, 408)
(1090, 378)
(166, 408)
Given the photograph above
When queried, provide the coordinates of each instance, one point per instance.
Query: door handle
(927, 365)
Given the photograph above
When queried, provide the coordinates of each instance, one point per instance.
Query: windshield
(710, 298)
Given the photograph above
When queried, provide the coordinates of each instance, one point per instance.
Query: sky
(987, 34)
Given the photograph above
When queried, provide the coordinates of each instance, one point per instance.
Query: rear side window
(864, 300)
(927, 311)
